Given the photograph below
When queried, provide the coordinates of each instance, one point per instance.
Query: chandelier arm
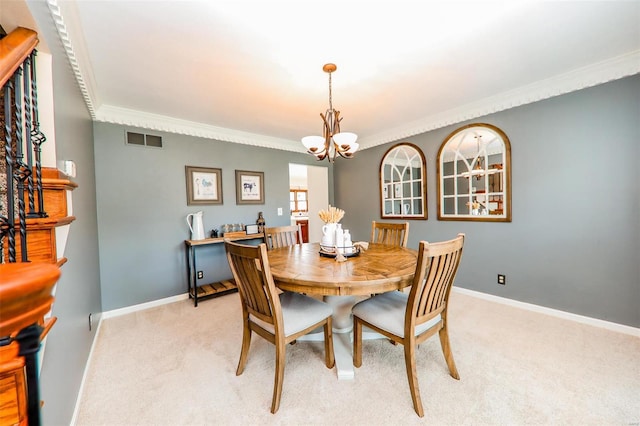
(327, 152)
(340, 148)
(337, 119)
(326, 133)
(327, 128)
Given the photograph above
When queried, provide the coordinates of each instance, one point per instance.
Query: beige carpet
(175, 365)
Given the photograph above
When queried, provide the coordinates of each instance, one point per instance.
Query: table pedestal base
(342, 335)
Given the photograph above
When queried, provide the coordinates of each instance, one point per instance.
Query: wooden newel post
(25, 297)
(29, 341)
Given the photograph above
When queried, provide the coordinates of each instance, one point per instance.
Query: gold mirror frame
(403, 183)
(474, 175)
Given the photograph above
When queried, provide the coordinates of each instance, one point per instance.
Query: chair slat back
(251, 271)
(394, 234)
(435, 273)
(282, 236)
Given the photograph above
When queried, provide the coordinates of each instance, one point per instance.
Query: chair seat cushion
(387, 311)
(298, 312)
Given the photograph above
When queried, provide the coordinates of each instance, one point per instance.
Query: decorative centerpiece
(333, 215)
(330, 217)
(474, 206)
(336, 242)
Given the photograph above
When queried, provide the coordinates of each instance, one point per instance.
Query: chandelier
(478, 170)
(333, 142)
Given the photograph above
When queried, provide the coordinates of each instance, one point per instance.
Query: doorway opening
(315, 181)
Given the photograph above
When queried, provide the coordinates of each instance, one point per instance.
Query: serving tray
(328, 251)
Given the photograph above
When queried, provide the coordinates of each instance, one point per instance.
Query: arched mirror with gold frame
(474, 175)
(403, 183)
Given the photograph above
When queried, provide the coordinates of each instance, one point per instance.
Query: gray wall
(78, 290)
(574, 242)
(142, 206)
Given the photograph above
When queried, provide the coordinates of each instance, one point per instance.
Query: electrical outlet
(200, 275)
(502, 279)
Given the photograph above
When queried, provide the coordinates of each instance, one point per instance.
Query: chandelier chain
(330, 95)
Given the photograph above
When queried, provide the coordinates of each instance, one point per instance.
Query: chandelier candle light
(333, 142)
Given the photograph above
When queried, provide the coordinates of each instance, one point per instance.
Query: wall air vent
(144, 140)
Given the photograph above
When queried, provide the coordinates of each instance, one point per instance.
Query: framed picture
(249, 187)
(251, 229)
(204, 185)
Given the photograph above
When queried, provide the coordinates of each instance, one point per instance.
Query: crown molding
(133, 118)
(76, 57)
(582, 78)
(592, 75)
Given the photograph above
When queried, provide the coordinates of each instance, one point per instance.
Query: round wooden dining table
(380, 268)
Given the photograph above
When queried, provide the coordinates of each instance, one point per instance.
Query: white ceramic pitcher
(196, 226)
(328, 234)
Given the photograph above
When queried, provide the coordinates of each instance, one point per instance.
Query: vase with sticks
(330, 217)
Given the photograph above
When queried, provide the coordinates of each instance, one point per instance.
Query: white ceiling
(251, 71)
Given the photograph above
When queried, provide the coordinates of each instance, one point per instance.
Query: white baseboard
(620, 328)
(143, 306)
(87, 367)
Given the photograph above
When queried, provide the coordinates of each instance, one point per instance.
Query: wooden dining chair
(282, 236)
(278, 317)
(410, 319)
(395, 234)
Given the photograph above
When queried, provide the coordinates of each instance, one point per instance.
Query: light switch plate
(279, 211)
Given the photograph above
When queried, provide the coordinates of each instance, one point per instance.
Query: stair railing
(20, 141)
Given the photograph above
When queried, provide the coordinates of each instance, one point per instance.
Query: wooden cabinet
(304, 228)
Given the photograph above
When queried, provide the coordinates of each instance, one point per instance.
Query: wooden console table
(197, 292)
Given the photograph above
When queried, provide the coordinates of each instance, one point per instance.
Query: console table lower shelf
(214, 289)
(196, 292)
